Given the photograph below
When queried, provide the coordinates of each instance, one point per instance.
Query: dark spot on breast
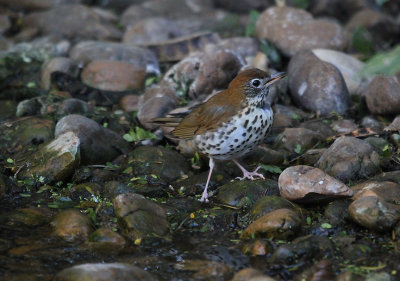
(236, 140)
(244, 134)
(255, 120)
(246, 123)
(247, 111)
(249, 129)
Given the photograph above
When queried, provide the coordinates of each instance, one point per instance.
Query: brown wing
(209, 116)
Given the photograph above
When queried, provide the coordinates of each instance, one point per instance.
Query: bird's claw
(251, 175)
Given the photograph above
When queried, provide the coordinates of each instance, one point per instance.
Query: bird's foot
(251, 175)
(204, 197)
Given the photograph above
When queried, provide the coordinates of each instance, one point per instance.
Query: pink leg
(248, 175)
(204, 196)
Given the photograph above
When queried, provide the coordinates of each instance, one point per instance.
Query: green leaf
(308, 219)
(9, 160)
(380, 2)
(302, 4)
(298, 149)
(326, 225)
(386, 63)
(271, 168)
(251, 27)
(362, 40)
(271, 52)
(138, 135)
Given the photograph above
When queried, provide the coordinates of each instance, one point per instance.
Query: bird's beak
(274, 78)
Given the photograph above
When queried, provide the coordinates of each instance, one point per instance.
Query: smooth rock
(140, 217)
(161, 162)
(293, 30)
(104, 272)
(371, 123)
(54, 162)
(205, 269)
(152, 30)
(311, 156)
(304, 248)
(113, 75)
(82, 23)
(239, 193)
(386, 190)
(278, 224)
(349, 66)
(72, 226)
(62, 64)
(74, 106)
(87, 51)
(129, 103)
(156, 102)
(106, 241)
(374, 213)
(245, 47)
(316, 85)
(310, 185)
(97, 144)
(318, 126)
(249, 273)
(344, 126)
(349, 158)
(259, 247)
(31, 216)
(294, 138)
(32, 5)
(268, 204)
(28, 107)
(382, 95)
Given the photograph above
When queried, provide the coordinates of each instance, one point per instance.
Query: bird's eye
(256, 83)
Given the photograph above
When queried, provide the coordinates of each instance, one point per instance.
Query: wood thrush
(231, 123)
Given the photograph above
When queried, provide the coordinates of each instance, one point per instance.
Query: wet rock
(316, 85)
(374, 213)
(93, 139)
(139, 217)
(293, 30)
(82, 23)
(259, 247)
(205, 270)
(336, 212)
(299, 139)
(378, 144)
(28, 107)
(104, 272)
(74, 106)
(113, 75)
(268, 204)
(157, 8)
(31, 216)
(322, 271)
(87, 51)
(382, 27)
(344, 126)
(54, 162)
(156, 102)
(129, 103)
(348, 66)
(161, 162)
(372, 123)
(387, 190)
(278, 224)
(382, 95)
(62, 64)
(304, 248)
(152, 30)
(106, 241)
(309, 185)
(239, 193)
(72, 226)
(349, 158)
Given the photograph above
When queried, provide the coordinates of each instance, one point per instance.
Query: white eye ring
(255, 83)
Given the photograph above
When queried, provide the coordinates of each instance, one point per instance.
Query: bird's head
(253, 84)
